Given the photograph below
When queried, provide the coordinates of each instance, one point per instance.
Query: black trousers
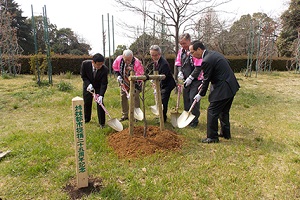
(165, 96)
(218, 110)
(88, 103)
(189, 93)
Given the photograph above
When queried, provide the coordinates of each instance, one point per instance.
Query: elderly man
(190, 72)
(223, 88)
(161, 65)
(122, 66)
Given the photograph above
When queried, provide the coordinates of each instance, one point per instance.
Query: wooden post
(132, 104)
(80, 142)
(157, 79)
(159, 103)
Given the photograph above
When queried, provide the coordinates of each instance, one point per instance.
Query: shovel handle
(192, 106)
(179, 87)
(94, 95)
(124, 89)
(195, 101)
(106, 112)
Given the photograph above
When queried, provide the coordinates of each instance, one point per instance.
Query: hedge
(71, 63)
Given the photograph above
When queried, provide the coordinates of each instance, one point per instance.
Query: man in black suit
(161, 65)
(223, 88)
(95, 79)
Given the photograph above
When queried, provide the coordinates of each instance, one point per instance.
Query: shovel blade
(115, 124)
(185, 119)
(174, 119)
(138, 114)
(154, 110)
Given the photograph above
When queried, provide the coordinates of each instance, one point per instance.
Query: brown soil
(131, 146)
(136, 145)
(94, 185)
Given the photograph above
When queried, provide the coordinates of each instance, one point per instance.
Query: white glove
(154, 91)
(197, 97)
(119, 79)
(180, 76)
(99, 99)
(90, 88)
(188, 81)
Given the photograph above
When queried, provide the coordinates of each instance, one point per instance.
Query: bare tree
(208, 29)
(177, 13)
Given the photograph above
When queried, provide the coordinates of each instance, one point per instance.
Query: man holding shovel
(223, 88)
(161, 65)
(94, 75)
(122, 66)
(190, 72)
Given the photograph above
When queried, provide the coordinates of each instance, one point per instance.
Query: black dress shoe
(224, 136)
(210, 140)
(123, 119)
(193, 124)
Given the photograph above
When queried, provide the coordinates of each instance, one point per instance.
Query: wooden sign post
(80, 142)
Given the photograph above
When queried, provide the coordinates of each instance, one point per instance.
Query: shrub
(64, 87)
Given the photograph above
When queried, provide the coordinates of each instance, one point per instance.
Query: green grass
(261, 161)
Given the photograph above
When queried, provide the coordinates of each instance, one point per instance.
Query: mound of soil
(130, 146)
(135, 145)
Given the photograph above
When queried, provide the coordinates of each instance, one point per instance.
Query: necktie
(155, 66)
(94, 72)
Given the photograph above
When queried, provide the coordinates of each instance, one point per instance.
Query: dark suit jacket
(99, 82)
(218, 72)
(164, 68)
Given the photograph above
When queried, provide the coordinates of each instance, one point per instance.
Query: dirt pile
(130, 146)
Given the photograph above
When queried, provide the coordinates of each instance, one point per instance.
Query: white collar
(203, 53)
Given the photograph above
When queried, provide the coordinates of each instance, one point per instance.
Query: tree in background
(119, 50)
(177, 13)
(62, 41)
(24, 32)
(40, 34)
(238, 38)
(208, 29)
(290, 20)
(9, 48)
(66, 42)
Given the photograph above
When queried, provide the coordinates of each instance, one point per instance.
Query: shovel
(154, 108)
(187, 117)
(175, 115)
(112, 122)
(138, 113)
(124, 89)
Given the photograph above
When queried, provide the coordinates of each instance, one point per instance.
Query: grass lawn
(261, 161)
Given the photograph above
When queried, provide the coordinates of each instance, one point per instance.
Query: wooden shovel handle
(179, 88)
(94, 96)
(195, 101)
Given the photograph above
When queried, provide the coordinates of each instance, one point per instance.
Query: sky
(85, 18)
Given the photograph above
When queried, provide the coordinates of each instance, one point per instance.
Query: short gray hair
(156, 48)
(127, 53)
(185, 36)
